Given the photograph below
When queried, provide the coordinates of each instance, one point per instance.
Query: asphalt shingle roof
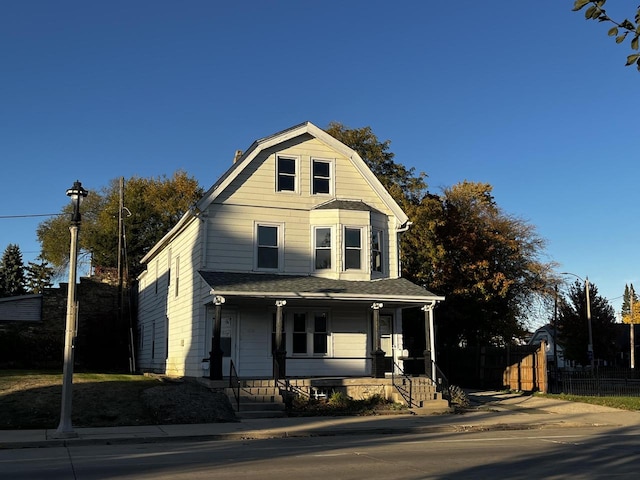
(303, 286)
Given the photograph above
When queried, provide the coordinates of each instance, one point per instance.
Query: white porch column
(377, 356)
(430, 344)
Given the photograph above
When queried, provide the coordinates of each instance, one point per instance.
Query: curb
(267, 434)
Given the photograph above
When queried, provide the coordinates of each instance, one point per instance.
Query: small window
(352, 249)
(268, 247)
(376, 251)
(323, 248)
(321, 177)
(286, 178)
(299, 333)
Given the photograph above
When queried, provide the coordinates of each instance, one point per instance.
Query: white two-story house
(300, 234)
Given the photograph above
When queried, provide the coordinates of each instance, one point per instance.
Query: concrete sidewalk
(489, 411)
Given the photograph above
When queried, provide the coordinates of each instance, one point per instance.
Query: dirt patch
(187, 402)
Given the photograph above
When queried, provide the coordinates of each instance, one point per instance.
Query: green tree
(461, 245)
(629, 294)
(152, 207)
(38, 276)
(619, 29)
(402, 182)
(573, 327)
(12, 281)
(486, 263)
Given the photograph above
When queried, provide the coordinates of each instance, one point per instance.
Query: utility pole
(632, 355)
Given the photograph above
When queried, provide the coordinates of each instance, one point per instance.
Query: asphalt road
(584, 452)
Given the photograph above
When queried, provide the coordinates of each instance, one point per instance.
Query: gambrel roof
(293, 132)
(306, 128)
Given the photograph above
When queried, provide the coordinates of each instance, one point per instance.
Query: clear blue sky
(525, 95)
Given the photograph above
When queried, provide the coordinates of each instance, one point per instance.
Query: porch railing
(234, 384)
(403, 384)
(441, 382)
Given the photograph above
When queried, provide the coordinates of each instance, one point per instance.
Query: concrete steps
(257, 399)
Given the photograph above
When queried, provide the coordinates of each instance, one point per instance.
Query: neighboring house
(22, 309)
(297, 234)
(546, 333)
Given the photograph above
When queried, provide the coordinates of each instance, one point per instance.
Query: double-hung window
(352, 248)
(376, 251)
(320, 333)
(321, 177)
(322, 242)
(286, 180)
(310, 334)
(268, 246)
(299, 333)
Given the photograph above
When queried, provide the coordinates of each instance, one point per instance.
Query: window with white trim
(268, 247)
(376, 251)
(320, 177)
(310, 333)
(322, 245)
(286, 179)
(352, 248)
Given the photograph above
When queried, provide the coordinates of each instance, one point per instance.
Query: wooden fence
(526, 369)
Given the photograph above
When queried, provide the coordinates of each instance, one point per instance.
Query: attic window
(321, 182)
(286, 174)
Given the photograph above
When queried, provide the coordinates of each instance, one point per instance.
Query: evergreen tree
(629, 293)
(12, 281)
(573, 327)
(38, 276)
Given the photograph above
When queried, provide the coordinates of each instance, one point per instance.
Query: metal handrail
(441, 382)
(401, 388)
(234, 383)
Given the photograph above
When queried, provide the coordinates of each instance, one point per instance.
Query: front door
(227, 337)
(386, 342)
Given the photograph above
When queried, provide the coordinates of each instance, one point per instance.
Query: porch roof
(398, 292)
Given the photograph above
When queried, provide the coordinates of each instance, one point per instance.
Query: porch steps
(258, 399)
(425, 398)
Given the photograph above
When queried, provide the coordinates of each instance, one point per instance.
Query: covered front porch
(283, 327)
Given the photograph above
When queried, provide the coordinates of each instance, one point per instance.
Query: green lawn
(625, 403)
(30, 399)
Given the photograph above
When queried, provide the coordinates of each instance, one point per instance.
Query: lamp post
(586, 287)
(65, 428)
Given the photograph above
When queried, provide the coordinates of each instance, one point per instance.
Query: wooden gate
(527, 369)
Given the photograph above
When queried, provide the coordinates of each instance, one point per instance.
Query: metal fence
(601, 382)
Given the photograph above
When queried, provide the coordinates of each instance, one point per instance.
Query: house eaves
(393, 291)
(184, 221)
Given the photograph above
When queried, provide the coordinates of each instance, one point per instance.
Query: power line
(33, 215)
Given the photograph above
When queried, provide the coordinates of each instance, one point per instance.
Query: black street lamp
(65, 428)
